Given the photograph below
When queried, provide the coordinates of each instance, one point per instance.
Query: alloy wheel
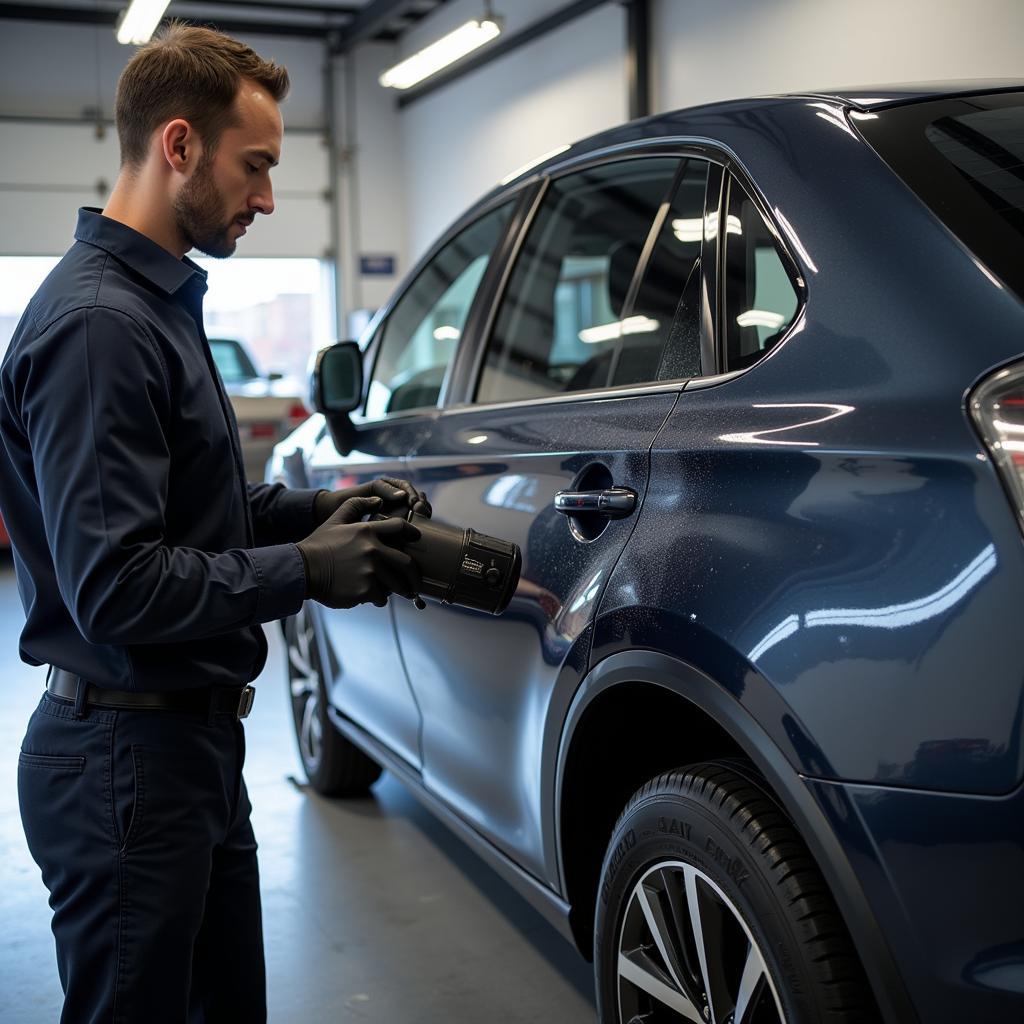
(686, 954)
(304, 677)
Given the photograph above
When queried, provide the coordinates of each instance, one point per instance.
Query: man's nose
(263, 201)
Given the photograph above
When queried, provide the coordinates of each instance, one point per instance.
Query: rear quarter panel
(824, 534)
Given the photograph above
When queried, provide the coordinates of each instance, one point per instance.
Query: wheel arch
(713, 725)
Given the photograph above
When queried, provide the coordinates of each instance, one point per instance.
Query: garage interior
(373, 911)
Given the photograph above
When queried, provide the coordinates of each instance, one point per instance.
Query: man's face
(231, 185)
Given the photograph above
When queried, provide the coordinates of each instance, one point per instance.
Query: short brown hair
(192, 73)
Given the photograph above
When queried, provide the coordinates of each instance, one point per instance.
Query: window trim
(681, 150)
(711, 253)
(789, 265)
(467, 364)
(378, 325)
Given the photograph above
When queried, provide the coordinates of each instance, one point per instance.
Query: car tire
(333, 764)
(710, 909)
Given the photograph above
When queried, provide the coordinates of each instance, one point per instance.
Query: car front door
(582, 365)
(410, 354)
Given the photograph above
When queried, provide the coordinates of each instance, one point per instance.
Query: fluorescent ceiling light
(138, 22)
(609, 332)
(533, 163)
(688, 227)
(761, 318)
(446, 333)
(436, 56)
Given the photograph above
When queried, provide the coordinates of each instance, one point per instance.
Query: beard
(199, 213)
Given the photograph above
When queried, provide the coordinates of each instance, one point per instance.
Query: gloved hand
(349, 562)
(397, 495)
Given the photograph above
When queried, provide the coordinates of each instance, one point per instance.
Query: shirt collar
(138, 252)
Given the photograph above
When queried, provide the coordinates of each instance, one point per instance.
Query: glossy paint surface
(823, 533)
(943, 874)
(484, 684)
(822, 536)
(367, 677)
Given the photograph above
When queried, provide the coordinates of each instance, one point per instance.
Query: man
(146, 563)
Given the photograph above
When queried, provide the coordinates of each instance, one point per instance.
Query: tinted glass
(422, 332)
(562, 319)
(668, 300)
(231, 360)
(760, 300)
(965, 158)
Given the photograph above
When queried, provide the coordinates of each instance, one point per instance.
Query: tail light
(997, 405)
(297, 414)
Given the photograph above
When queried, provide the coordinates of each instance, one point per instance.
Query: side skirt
(547, 903)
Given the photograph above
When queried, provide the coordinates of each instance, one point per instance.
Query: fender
(689, 683)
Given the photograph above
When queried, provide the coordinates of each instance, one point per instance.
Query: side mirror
(337, 380)
(336, 388)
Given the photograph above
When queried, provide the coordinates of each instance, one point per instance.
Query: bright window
(279, 308)
(20, 276)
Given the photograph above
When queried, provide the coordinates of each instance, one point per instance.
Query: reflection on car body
(757, 744)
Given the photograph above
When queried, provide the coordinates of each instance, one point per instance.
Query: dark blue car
(754, 741)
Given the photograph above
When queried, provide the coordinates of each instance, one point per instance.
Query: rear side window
(760, 299)
(563, 324)
(668, 299)
(422, 332)
(965, 158)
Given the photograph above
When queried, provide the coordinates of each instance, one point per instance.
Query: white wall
(48, 170)
(730, 48)
(462, 139)
(404, 175)
(370, 182)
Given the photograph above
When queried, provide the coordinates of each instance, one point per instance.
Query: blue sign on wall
(377, 265)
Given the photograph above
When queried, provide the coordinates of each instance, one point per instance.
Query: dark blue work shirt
(144, 560)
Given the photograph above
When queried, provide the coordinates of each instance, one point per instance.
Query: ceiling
(346, 22)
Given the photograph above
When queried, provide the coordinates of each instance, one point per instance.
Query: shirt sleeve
(95, 406)
(281, 514)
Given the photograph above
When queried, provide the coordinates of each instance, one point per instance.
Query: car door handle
(614, 502)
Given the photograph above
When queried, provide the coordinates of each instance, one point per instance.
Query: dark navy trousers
(139, 821)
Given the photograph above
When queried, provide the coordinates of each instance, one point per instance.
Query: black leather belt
(204, 700)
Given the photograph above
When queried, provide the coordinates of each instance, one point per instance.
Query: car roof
(864, 97)
(874, 97)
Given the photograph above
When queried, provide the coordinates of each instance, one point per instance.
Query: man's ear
(180, 145)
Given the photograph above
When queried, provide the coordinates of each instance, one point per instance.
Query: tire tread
(756, 822)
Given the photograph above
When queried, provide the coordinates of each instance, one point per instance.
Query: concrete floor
(372, 910)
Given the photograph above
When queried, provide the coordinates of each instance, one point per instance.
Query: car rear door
(583, 362)
(409, 354)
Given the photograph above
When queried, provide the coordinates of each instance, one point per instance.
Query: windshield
(964, 157)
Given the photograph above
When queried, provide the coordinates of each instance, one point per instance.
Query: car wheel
(333, 764)
(711, 910)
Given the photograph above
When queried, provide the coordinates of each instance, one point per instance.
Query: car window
(231, 360)
(964, 156)
(760, 300)
(562, 318)
(667, 303)
(422, 332)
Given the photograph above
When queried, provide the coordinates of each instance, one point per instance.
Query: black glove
(349, 562)
(397, 495)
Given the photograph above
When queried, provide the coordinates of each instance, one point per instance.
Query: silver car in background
(268, 406)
